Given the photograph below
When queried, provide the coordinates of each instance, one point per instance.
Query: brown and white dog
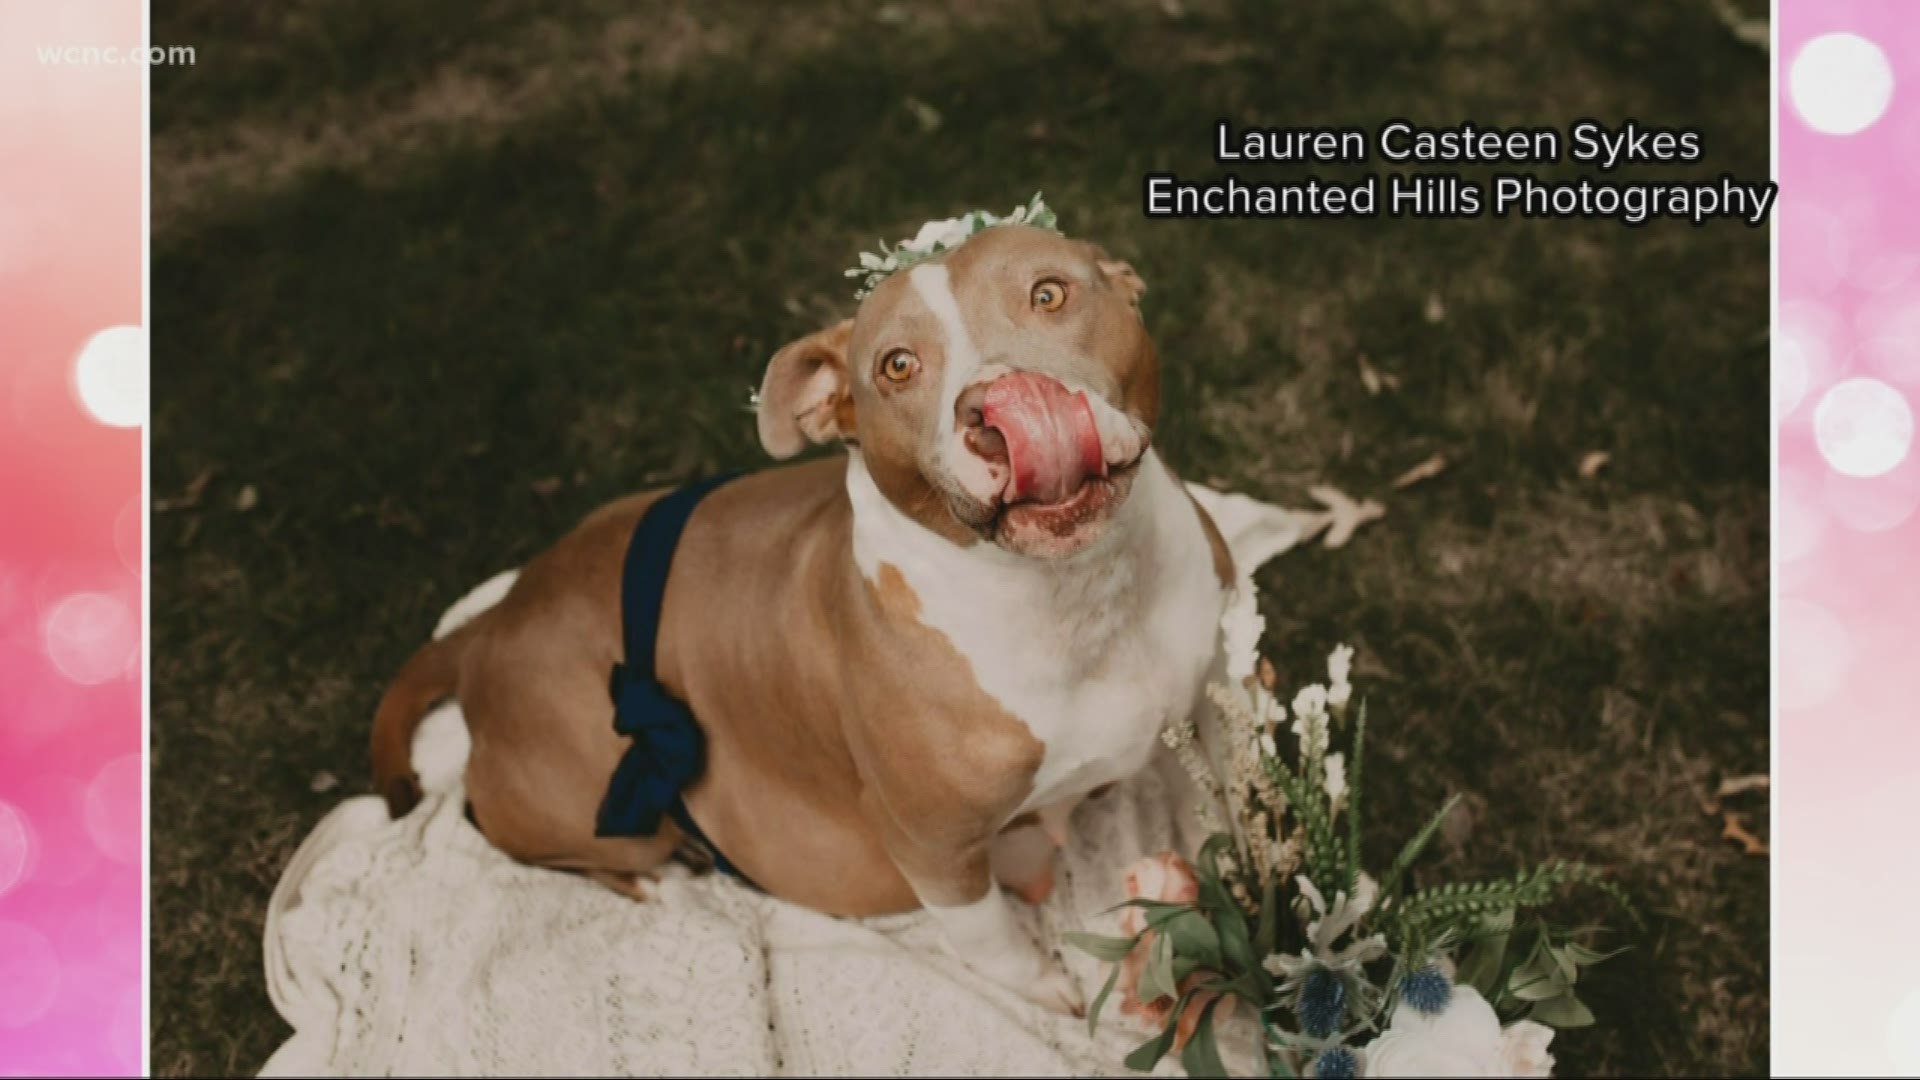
(910, 661)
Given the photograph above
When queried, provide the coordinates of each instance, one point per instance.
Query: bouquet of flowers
(1347, 974)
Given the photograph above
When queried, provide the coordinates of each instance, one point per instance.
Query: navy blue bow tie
(669, 752)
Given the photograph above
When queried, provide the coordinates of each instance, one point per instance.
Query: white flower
(1524, 1046)
(939, 237)
(949, 234)
(1464, 1040)
(1340, 663)
(1310, 716)
(1242, 624)
(1309, 704)
(1339, 667)
(1336, 781)
(1334, 920)
(1266, 744)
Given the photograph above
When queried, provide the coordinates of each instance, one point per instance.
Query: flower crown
(940, 237)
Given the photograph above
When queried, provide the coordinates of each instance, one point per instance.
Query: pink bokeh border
(1847, 749)
(1846, 961)
(72, 541)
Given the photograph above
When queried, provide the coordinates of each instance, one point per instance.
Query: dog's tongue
(1052, 443)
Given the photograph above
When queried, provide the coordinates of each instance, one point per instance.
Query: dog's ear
(804, 397)
(1123, 276)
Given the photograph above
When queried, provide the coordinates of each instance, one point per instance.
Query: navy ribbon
(669, 751)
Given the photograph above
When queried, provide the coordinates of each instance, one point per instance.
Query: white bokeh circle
(111, 376)
(1840, 83)
(91, 638)
(1863, 426)
(15, 847)
(1903, 1035)
(112, 809)
(1815, 653)
(32, 979)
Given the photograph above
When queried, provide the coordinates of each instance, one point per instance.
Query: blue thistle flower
(1336, 1063)
(1427, 991)
(1322, 1004)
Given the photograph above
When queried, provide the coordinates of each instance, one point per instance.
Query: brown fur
(849, 746)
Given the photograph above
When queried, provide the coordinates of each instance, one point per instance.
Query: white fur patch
(1093, 652)
(935, 288)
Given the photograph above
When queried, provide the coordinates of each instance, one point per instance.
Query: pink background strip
(70, 543)
(1846, 381)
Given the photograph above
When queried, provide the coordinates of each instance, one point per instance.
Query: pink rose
(1167, 878)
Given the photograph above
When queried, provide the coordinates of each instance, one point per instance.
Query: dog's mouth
(1067, 458)
(1091, 501)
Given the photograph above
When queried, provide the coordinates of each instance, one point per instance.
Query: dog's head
(1004, 391)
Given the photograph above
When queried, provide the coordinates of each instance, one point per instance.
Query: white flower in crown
(940, 237)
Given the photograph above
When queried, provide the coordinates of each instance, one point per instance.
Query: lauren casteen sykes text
(1441, 192)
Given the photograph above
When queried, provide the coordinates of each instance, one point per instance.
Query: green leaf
(1564, 1011)
(1100, 946)
(1235, 950)
(1353, 798)
(1183, 966)
(1266, 935)
(1148, 1054)
(1100, 1000)
(1193, 936)
(1206, 867)
(1539, 978)
(1586, 957)
(1564, 963)
(1157, 980)
(1484, 962)
(1201, 1058)
(1414, 847)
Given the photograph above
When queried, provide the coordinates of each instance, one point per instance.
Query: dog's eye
(899, 365)
(1049, 295)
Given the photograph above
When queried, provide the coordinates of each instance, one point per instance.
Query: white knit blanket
(414, 947)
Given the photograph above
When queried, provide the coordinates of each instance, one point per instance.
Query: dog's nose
(970, 417)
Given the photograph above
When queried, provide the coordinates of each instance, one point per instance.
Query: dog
(909, 661)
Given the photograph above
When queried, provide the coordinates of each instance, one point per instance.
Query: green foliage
(1226, 940)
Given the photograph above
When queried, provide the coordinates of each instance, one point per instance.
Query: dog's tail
(428, 676)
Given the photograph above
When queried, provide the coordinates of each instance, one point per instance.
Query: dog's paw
(1025, 970)
(1056, 990)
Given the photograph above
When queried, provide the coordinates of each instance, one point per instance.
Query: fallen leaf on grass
(925, 115)
(546, 485)
(1344, 516)
(1733, 830)
(1593, 462)
(323, 782)
(248, 498)
(187, 499)
(1436, 311)
(1426, 470)
(1740, 785)
(1374, 379)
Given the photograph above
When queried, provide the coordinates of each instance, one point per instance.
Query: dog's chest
(1093, 659)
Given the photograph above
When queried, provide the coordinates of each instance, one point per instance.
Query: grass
(433, 280)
